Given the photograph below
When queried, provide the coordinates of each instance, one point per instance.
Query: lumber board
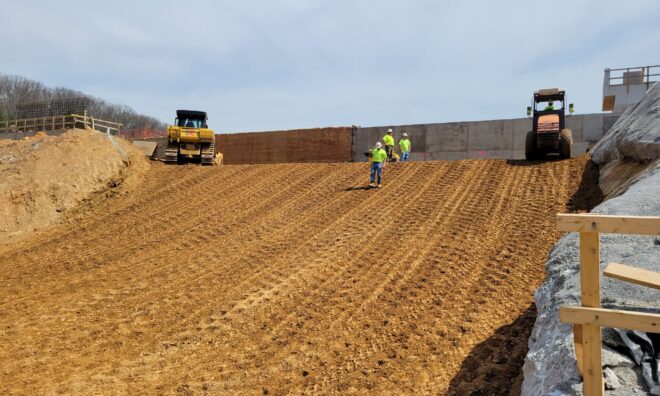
(640, 321)
(638, 276)
(579, 353)
(592, 370)
(635, 225)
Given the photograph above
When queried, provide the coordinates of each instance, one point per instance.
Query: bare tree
(16, 90)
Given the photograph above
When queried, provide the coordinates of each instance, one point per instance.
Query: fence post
(590, 296)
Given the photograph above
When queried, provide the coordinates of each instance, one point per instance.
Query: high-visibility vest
(378, 155)
(404, 145)
(388, 140)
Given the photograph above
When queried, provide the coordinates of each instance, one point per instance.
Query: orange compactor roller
(549, 134)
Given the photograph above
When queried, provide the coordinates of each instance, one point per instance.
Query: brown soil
(288, 278)
(44, 178)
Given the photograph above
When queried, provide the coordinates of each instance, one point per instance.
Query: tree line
(17, 90)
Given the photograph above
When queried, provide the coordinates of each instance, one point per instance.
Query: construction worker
(404, 145)
(378, 157)
(389, 143)
(550, 106)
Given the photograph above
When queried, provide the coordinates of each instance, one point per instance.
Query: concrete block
(579, 148)
(452, 136)
(490, 135)
(608, 121)
(361, 144)
(592, 125)
(416, 134)
(448, 155)
(574, 123)
(490, 154)
(520, 128)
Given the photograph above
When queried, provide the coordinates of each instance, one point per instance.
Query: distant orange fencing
(333, 144)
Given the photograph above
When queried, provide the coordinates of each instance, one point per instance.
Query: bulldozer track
(287, 278)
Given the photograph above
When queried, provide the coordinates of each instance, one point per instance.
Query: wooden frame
(588, 319)
(634, 275)
(59, 122)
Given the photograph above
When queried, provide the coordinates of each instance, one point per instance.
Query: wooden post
(577, 341)
(590, 294)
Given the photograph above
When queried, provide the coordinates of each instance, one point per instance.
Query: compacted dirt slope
(289, 279)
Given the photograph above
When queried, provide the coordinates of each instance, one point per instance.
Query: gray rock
(611, 380)
(550, 366)
(635, 135)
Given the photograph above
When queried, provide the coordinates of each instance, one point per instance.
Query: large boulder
(635, 135)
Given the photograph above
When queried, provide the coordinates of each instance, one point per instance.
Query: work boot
(372, 185)
(380, 185)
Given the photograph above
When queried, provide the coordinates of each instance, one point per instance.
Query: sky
(286, 64)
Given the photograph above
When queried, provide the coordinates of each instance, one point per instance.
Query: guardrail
(50, 123)
(590, 317)
(634, 75)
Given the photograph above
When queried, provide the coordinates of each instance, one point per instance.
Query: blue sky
(268, 65)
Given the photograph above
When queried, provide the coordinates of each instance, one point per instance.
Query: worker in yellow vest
(404, 145)
(378, 158)
(388, 140)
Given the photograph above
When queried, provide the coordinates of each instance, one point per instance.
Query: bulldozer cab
(191, 119)
(549, 133)
(548, 109)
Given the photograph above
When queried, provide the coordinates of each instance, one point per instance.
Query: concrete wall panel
(608, 121)
(574, 123)
(579, 148)
(592, 125)
(490, 135)
(489, 154)
(520, 128)
(417, 135)
(481, 139)
(452, 136)
(447, 155)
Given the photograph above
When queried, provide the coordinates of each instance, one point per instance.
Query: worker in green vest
(378, 158)
(404, 145)
(388, 140)
(550, 106)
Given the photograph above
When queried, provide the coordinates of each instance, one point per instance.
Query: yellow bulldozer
(190, 139)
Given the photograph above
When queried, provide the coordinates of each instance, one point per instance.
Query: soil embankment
(289, 278)
(44, 178)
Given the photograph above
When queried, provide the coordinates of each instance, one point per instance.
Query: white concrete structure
(625, 87)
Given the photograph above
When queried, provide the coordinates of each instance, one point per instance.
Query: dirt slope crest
(46, 177)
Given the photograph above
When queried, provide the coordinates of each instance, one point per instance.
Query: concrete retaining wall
(480, 139)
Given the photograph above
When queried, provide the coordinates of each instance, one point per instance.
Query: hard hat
(379, 144)
(405, 134)
(389, 130)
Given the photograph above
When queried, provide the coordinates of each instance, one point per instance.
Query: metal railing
(50, 123)
(634, 75)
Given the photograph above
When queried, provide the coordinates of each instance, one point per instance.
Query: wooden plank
(590, 269)
(590, 294)
(579, 353)
(592, 371)
(637, 225)
(640, 321)
(638, 276)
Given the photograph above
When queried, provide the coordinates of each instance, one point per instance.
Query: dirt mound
(291, 278)
(43, 178)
